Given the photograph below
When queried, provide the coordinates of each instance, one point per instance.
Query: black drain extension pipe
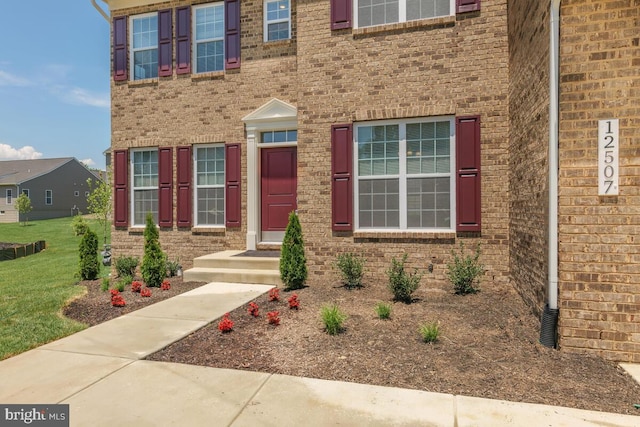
(549, 327)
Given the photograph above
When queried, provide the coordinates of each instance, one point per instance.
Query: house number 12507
(608, 143)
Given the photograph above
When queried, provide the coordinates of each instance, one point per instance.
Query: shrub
(126, 266)
(333, 318)
(89, 264)
(116, 299)
(173, 267)
(293, 263)
(253, 309)
(383, 310)
(351, 269)
(464, 271)
(104, 286)
(274, 294)
(273, 317)
(153, 266)
(294, 302)
(79, 225)
(136, 286)
(402, 284)
(165, 286)
(145, 292)
(429, 331)
(123, 282)
(226, 324)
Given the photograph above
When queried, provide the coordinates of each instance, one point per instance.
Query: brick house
(391, 127)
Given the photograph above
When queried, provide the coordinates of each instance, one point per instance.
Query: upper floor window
(380, 12)
(208, 37)
(404, 175)
(144, 183)
(144, 46)
(25, 191)
(277, 20)
(48, 197)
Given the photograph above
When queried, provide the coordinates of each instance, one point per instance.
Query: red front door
(278, 189)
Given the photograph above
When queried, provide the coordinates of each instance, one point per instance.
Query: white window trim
(132, 50)
(196, 187)
(76, 194)
(48, 194)
(195, 42)
(402, 188)
(402, 13)
(134, 188)
(266, 22)
(9, 196)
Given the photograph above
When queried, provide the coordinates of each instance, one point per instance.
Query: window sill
(420, 24)
(145, 82)
(212, 75)
(277, 43)
(209, 230)
(405, 235)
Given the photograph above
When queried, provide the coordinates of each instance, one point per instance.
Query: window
(9, 196)
(208, 37)
(404, 175)
(277, 20)
(144, 46)
(144, 183)
(379, 12)
(76, 193)
(209, 171)
(48, 197)
(86, 194)
(276, 136)
(25, 191)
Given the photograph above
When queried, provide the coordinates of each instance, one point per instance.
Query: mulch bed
(488, 345)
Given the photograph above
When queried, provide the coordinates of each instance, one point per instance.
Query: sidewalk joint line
(250, 399)
(97, 381)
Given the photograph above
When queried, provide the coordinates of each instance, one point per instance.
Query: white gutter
(554, 90)
(99, 9)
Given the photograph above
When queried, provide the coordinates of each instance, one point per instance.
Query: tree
(154, 267)
(89, 265)
(99, 202)
(23, 204)
(293, 263)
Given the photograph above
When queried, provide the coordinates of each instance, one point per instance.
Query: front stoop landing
(227, 266)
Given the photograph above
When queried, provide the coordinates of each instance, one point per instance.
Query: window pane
(145, 64)
(428, 203)
(210, 56)
(145, 32)
(430, 144)
(421, 9)
(377, 12)
(210, 206)
(144, 201)
(380, 145)
(379, 203)
(278, 31)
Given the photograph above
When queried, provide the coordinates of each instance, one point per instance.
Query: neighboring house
(56, 187)
(391, 127)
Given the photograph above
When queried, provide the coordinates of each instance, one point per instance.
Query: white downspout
(99, 9)
(554, 89)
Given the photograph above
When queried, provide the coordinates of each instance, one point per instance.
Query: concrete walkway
(100, 374)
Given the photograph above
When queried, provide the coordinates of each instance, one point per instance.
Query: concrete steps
(227, 267)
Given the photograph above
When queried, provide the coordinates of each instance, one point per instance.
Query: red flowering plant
(114, 292)
(253, 309)
(226, 324)
(274, 294)
(116, 299)
(293, 301)
(136, 286)
(165, 286)
(273, 318)
(145, 292)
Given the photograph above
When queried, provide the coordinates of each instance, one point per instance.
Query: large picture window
(210, 184)
(379, 12)
(208, 37)
(144, 46)
(144, 184)
(404, 175)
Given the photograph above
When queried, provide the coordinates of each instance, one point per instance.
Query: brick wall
(599, 243)
(448, 66)
(529, 136)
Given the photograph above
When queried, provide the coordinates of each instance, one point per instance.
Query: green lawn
(34, 289)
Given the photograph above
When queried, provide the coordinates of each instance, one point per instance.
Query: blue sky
(54, 81)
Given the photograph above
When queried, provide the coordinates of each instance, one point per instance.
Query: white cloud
(8, 79)
(84, 97)
(27, 152)
(88, 162)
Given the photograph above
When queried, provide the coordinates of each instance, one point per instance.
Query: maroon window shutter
(183, 40)
(468, 173)
(165, 44)
(463, 6)
(340, 14)
(233, 196)
(232, 34)
(120, 48)
(165, 184)
(183, 182)
(121, 184)
(342, 177)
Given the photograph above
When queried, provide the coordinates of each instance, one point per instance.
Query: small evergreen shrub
(293, 263)
(126, 266)
(464, 271)
(79, 225)
(172, 268)
(89, 264)
(153, 268)
(123, 282)
(351, 269)
(402, 284)
(332, 318)
(104, 286)
(383, 310)
(429, 331)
